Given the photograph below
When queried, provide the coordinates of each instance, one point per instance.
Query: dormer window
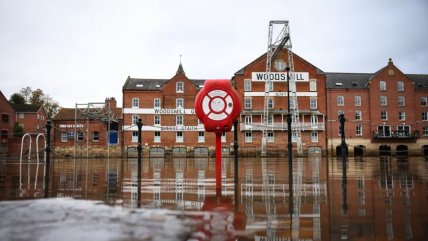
(179, 87)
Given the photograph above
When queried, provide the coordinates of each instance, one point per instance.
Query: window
(135, 119)
(402, 115)
(314, 121)
(358, 115)
(292, 104)
(179, 136)
(357, 100)
(270, 103)
(358, 130)
(270, 120)
(425, 116)
(312, 85)
(223, 137)
(403, 131)
(80, 136)
(313, 103)
(248, 103)
(247, 85)
(156, 103)
(95, 136)
(64, 136)
(424, 101)
(135, 102)
(201, 136)
(314, 136)
(340, 100)
(157, 120)
(269, 86)
(401, 101)
(382, 85)
(179, 120)
(5, 118)
(425, 131)
(383, 100)
(384, 131)
(157, 136)
(248, 137)
(339, 112)
(294, 137)
(270, 137)
(179, 87)
(21, 115)
(248, 120)
(134, 136)
(400, 85)
(383, 115)
(179, 103)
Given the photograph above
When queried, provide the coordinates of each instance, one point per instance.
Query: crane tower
(279, 38)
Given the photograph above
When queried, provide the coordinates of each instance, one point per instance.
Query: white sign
(70, 126)
(177, 111)
(279, 94)
(279, 76)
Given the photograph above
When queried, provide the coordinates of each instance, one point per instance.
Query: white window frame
(312, 85)
(424, 101)
(425, 131)
(357, 100)
(270, 103)
(383, 100)
(248, 136)
(179, 137)
(425, 115)
(157, 137)
(201, 136)
(314, 136)
(135, 119)
(156, 120)
(313, 103)
(64, 136)
(135, 103)
(401, 115)
(401, 100)
(384, 115)
(179, 120)
(134, 137)
(270, 136)
(400, 85)
(247, 85)
(340, 100)
(358, 115)
(382, 85)
(179, 103)
(21, 115)
(358, 130)
(248, 103)
(157, 103)
(179, 87)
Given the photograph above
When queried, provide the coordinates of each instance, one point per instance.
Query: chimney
(111, 101)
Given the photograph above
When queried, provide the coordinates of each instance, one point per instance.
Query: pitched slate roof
(26, 108)
(420, 80)
(69, 114)
(347, 80)
(152, 84)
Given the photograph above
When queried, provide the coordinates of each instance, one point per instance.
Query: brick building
(166, 107)
(311, 98)
(385, 112)
(88, 127)
(6, 123)
(32, 118)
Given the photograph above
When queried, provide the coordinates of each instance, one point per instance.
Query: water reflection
(332, 199)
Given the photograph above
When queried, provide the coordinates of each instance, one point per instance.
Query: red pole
(218, 163)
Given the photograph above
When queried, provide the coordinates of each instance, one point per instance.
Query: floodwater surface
(324, 199)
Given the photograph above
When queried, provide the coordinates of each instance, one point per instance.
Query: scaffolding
(100, 111)
(279, 38)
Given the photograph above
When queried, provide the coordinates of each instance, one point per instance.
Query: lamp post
(139, 150)
(289, 145)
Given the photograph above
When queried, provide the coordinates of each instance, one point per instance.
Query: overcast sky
(82, 51)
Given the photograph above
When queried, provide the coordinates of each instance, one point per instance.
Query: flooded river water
(97, 199)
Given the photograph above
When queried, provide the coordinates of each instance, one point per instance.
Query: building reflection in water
(365, 199)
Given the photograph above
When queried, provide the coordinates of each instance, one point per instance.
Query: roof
(420, 80)
(26, 108)
(347, 80)
(70, 114)
(151, 84)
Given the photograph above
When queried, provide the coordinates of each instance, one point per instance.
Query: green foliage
(36, 97)
(18, 131)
